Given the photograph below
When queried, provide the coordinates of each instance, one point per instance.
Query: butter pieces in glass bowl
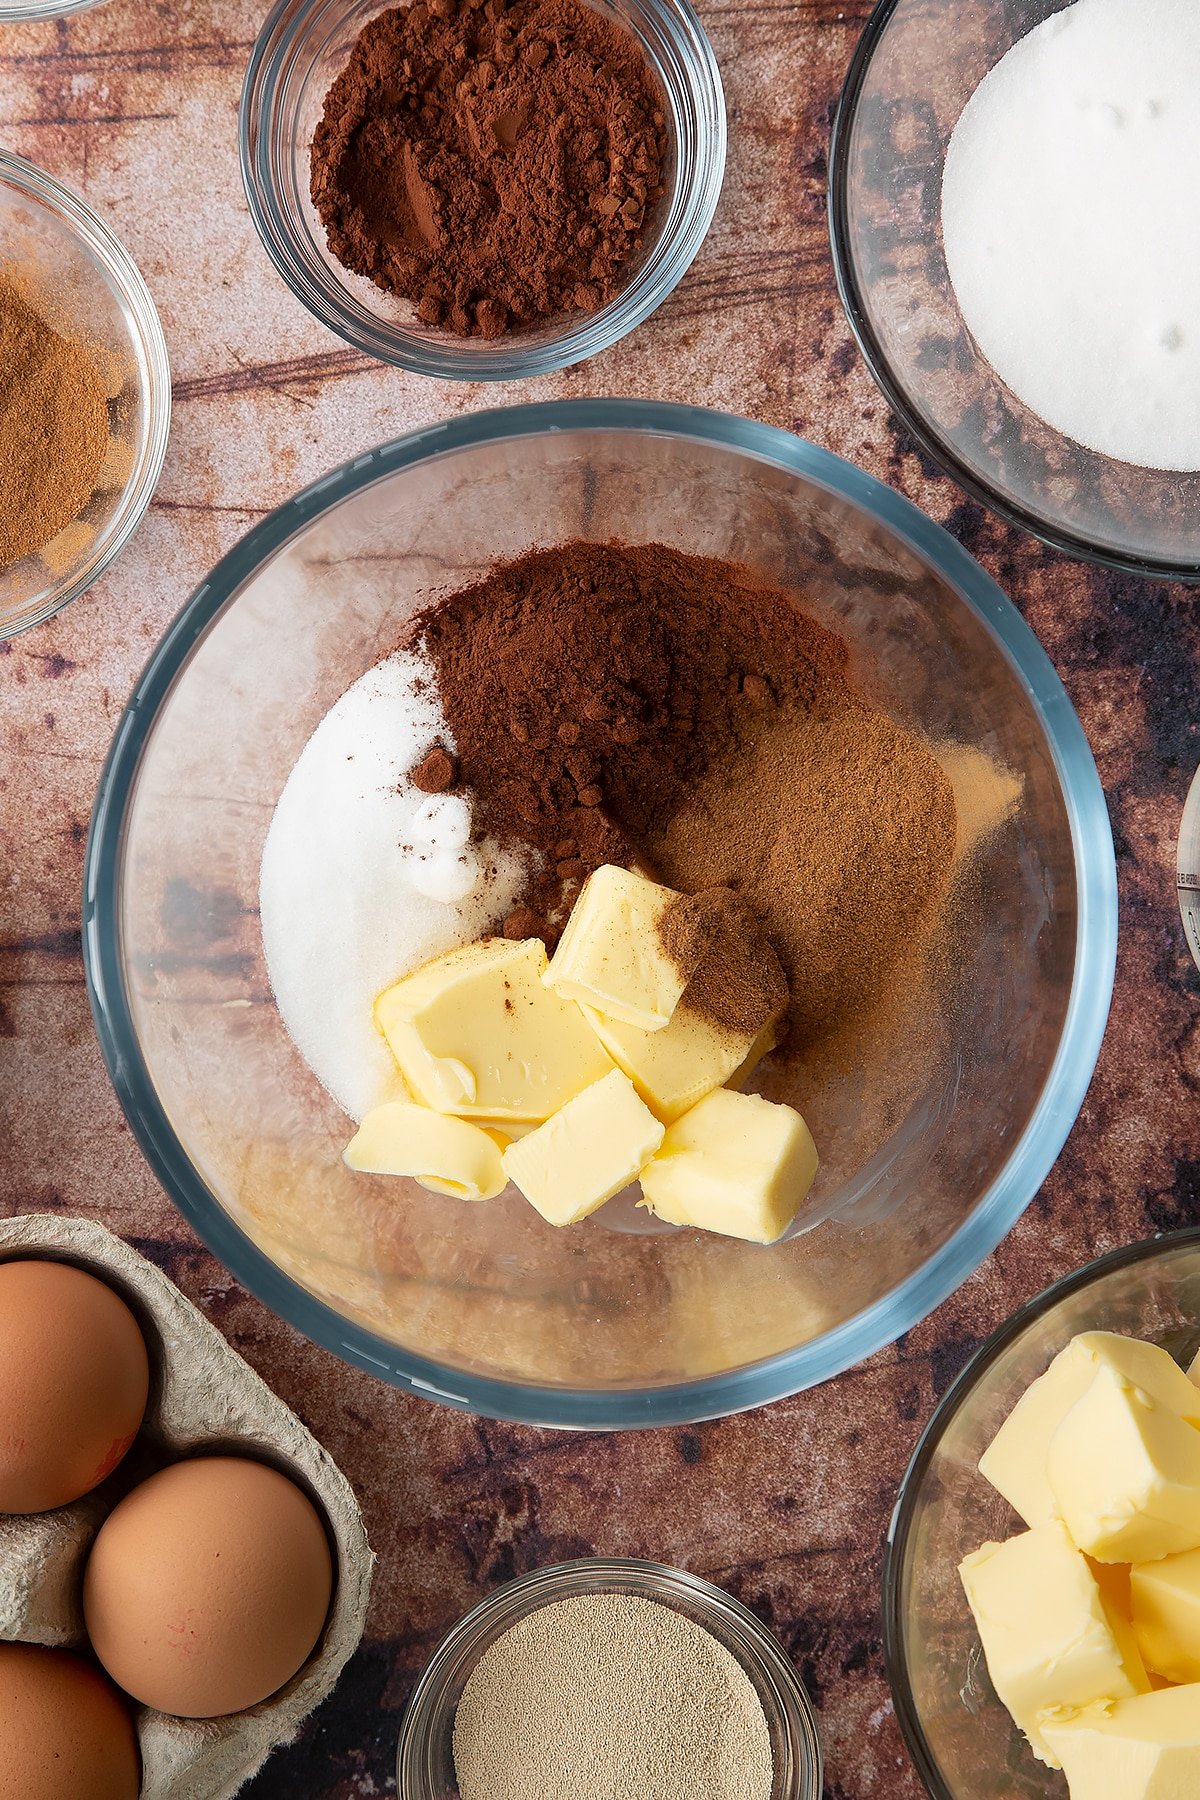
(1061, 1500)
(619, 1058)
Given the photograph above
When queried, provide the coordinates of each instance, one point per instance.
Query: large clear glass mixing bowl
(962, 1739)
(485, 1306)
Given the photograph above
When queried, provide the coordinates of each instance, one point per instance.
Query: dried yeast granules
(610, 1697)
(494, 163)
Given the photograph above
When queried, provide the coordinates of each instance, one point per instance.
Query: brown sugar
(53, 428)
(738, 982)
(495, 164)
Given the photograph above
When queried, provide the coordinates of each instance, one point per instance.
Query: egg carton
(202, 1396)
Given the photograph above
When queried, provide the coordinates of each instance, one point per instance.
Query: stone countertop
(135, 104)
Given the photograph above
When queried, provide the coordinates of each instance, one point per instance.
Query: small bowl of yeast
(1011, 254)
(662, 1684)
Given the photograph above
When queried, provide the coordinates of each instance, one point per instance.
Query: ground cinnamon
(633, 704)
(494, 163)
(53, 428)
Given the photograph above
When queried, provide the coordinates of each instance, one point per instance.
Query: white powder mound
(1072, 225)
(349, 847)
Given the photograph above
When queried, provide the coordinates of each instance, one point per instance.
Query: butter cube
(674, 1068)
(611, 956)
(1144, 1748)
(587, 1152)
(1015, 1462)
(478, 1032)
(446, 1155)
(763, 1044)
(1165, 1600)
(1045, 1632)
(737, 1164)
(1125, 1474)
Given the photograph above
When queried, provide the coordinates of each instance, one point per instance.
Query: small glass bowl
(1187, 869)
(305, 44)
(91, 286)
(425, 1769)
(961, 1738)
(916, 65)
(21, 12)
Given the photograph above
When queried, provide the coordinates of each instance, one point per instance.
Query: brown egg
(208, 1586)
(65, 1732)
(74, 1379)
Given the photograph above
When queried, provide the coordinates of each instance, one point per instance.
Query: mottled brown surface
(136, 105)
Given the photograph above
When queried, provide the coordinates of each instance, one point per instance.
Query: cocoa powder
(631, 704)
(494, 163)
(587, 689)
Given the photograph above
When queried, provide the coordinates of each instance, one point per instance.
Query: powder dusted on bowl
(496, 165)
(53, 428)
(610, 1697)
(682, 715)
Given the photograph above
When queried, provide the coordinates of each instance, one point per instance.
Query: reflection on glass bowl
(1187, 869)
(485, 1306)
(961, 1738)
(916, 66)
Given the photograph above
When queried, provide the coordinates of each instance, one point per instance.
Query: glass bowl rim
(561, 1580)
(908, 1716)
(1030, 1159)
(879, 366)
(507, 360)
(150, 353)
(30, 11)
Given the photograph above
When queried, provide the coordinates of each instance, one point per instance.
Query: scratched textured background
(135, 104)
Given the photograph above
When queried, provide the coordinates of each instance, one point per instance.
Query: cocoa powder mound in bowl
(480, 189)
(495, 164)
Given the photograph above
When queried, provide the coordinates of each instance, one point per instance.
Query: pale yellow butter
(1125, 1473)
(737, 1164)
(763, 1044)
(1165, 1602)
(1144, 1748)
(674, 1068)
(446, 1155)
(610, 956)
(478, 1032)
(1015, 1462)
(591, 1149)
(1046, 1634)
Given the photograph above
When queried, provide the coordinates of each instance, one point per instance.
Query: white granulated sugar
(1072, 225)
(351, 854)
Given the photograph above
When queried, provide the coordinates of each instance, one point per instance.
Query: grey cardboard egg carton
(202, 1395)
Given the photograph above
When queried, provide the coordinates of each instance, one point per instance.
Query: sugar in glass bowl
(622, 1321)
(426, 1758)
(93, 289)
(304, 46)
(916, 66)
(962, 1739)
